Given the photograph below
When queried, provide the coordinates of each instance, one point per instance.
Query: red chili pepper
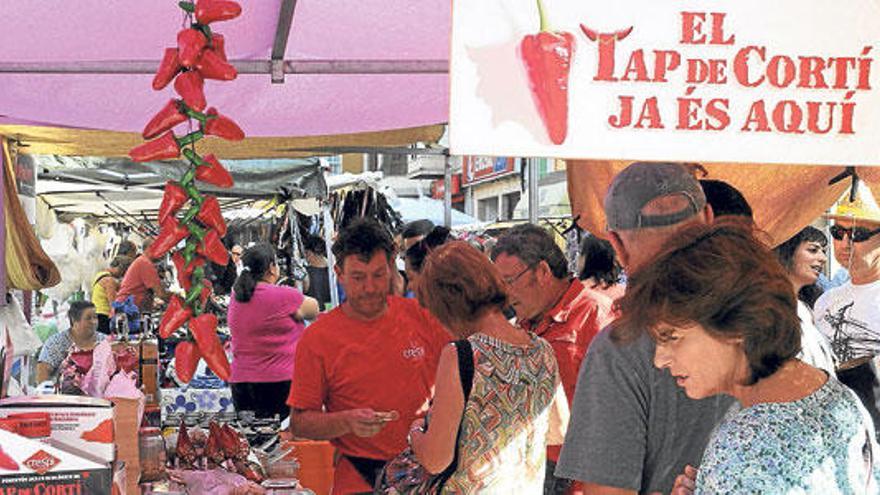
(213, 448)
(191, 87)
(547, 57)
(186, 360)
(208, 11)
(186, 452)
(210, 215)
(218, 44)
(170, 234)
(163, 148)
(211, 66)
(167, 118)
(175, 316)
(213, 249)
(168, 68)
(204, 329)
(222, 126)
(213, 172)
(6, 462)
(173, 199)
(190, 42)
(184, 271)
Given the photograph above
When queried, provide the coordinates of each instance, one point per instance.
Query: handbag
(403, 474)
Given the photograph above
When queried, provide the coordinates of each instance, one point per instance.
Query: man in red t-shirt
(554, 305)
(142, 282)
(364, 371)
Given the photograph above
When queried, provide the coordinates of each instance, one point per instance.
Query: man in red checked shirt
(554, 305)
(365, 371)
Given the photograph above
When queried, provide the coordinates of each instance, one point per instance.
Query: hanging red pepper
(211, 66)
(207, 290)
(168, 68)
(190, 42)
(173, 199)
(208, 11)
(186, 360)
(175, 316)
(191, 87)
(163, 148)
(166, 119)
(184, 271)
(210, 215)
(204, 329)
(170, 234)
(218, 44)
(212, 248)
(547, 57)
(222, 126)
(7, 462)
(213, 172)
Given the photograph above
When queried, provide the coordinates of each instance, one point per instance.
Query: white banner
(756, 81)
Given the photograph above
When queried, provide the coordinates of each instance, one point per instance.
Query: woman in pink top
(266, 322)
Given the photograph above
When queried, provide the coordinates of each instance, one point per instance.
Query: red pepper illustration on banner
(165, 120)
(190, 42)
(172, 233)
(213, 249)
(6, 462)
(210, 215)
(208, 11)
(186, 360)
(547, 57)
(213, 172)
(103, 433)
(222, 126)
(211, 66)
(606, 42)
(191, 87)
(173, 199)
(168, 68)
(163, 148)
(204, 329)
(175, 316)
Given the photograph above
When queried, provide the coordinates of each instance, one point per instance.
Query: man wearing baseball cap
(632, 430)
(849, 315)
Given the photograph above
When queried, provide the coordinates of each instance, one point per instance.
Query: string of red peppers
(199, 55)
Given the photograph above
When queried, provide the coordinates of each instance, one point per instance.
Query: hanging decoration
(185, 213)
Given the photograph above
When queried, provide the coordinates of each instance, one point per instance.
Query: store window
(487, 209)
(508, 205)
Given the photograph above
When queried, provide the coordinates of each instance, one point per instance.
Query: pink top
(265, 334)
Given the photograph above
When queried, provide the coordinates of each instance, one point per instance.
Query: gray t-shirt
(632, 427)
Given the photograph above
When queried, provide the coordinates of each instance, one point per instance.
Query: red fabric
(388, 364)
(139, 277)
(569, 327)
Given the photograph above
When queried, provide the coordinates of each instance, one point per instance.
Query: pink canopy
(56, 32)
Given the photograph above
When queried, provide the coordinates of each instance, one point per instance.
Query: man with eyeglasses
(849, 315)
(551, 303)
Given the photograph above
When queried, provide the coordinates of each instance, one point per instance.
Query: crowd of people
(685, 355)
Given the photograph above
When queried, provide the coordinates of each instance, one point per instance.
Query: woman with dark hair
(265, 322)
(414, 258)
(803, 257)
(597, 267)
(499, 432)
(724, 316)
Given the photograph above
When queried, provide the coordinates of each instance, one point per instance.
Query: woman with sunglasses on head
(803, 257)
(724, 316)
(849, 315)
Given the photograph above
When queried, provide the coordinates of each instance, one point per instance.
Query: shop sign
(438, 187)
(477, 168)
(726, 81)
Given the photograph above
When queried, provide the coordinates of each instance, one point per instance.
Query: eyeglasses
(236, 253)
(857, 234)
(511, 281)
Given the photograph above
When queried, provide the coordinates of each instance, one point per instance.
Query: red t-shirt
(139, 277)
(569, 327)
(387, 364)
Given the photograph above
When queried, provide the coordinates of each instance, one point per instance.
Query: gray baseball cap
(642, 182)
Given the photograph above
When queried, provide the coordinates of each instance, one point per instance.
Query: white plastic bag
(24, 341)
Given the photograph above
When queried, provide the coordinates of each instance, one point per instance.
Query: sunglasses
(857, 234)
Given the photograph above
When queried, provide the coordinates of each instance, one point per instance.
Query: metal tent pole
(447, 191)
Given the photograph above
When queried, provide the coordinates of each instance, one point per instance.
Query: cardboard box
(127, 441)
(81, 424)
(43, 469)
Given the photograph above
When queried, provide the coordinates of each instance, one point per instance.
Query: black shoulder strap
(102, 277)
(466, 372)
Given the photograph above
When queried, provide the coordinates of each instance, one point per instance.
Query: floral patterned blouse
(816, 445)
(502, 449)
